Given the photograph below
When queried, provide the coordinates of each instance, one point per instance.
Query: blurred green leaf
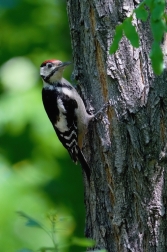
(130, 32)
(8, 3)
(165, 21)
(101, 250)
(18, 80)
(141, 12)
(158, 11)
(149, 3)
(47, 249)
(84, 242)
(117, 37)
(24, 250)
(156, 56)
(36, 173)
(31, 222)
(158, 29)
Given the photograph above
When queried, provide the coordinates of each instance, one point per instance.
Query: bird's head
(51, 71)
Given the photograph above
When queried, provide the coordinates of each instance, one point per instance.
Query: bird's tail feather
(77, 155)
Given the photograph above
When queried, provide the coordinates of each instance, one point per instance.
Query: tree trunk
(127, 149)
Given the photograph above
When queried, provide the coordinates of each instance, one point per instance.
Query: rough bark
(127, 149)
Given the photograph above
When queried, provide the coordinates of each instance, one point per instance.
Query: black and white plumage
(65, 110)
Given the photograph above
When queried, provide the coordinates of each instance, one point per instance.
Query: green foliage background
(36, 173)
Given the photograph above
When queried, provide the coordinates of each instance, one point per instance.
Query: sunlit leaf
(156, 56)
(130, 32)
(117, 37)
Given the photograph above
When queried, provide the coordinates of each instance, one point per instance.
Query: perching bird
(65, 109)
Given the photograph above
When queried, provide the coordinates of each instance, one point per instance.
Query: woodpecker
(65, 109)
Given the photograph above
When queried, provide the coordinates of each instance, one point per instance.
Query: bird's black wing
(49, 98)
(69, 138)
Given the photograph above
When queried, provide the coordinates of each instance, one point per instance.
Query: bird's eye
(49, 65)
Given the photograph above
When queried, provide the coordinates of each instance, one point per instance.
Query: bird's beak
(64, 64)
